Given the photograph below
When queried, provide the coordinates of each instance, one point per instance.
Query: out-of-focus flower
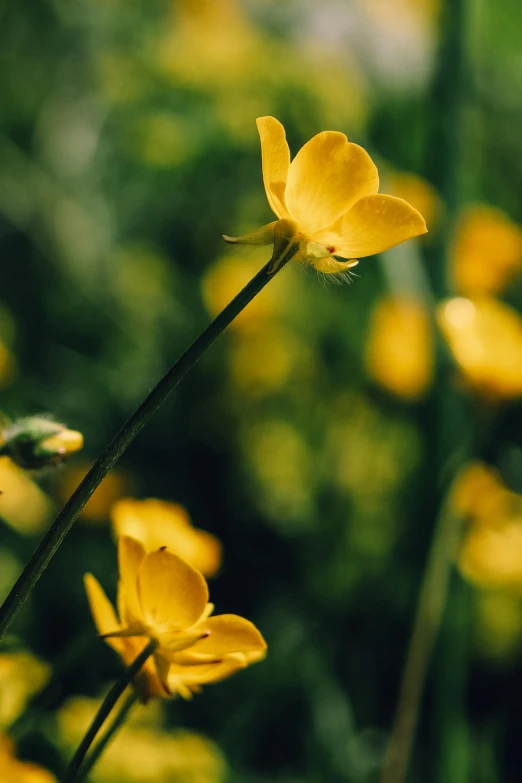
(268, 357)
(143, 752)
(23, 505)
(157, 523)
(485, 338)
(491, 555)
(97, 508)
(479, 494)
(486, 252)
(225, 278)
(399, 349)
(12, 770)
(162, 598)
(37, 442)
(21, 675)
(418, 192)
(327, 202)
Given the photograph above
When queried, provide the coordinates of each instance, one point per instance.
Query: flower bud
(36, 442)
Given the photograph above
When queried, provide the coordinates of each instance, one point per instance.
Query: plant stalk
(66, 518)
(110, 700)
(107, 737)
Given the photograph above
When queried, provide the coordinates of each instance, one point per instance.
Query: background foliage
(318, 437)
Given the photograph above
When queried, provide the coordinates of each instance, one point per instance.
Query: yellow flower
(480, 495)
(485, 338)
(397, 322)
(21, 676)
(23, 505)
(162, 598)
(157, 523)
(96, 510)
(327, 202)
(486, 252)
(417, 192)
(14, 771)
(491, 556)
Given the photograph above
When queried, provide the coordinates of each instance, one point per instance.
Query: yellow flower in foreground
(157, 523)
(399, 352)
(14, 771)
(327, 202)
(485, 338)
(486, 252)
(162, 598)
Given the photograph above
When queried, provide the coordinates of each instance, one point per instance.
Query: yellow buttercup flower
(162, 598)
(397, 322)
(158, 523)
(12, 770)
(480, 495)
(21, 676)
(485, 338)
(491, 556)
(327, 202)
(486, 252)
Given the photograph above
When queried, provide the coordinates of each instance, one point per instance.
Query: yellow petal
(229, 633)
(376, 223)
(173, 594)
(327, 176)
(204, 673)
(102, 610)
(275, 157)
(130, 556)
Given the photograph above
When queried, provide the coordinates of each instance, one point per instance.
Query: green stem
(64, 521)
(107, 737)
(428, 619)
(102, 714)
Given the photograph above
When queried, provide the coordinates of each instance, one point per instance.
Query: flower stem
(66, 518)
(430, 611)
(107, 737)
(110, 700)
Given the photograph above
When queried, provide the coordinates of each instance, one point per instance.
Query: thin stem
(107, 737)
(66, 518)
(107, 705)
(430, 610)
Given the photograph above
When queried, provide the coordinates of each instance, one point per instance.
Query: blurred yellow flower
(268, 357)
(143, 752)
(499, 624)
(157, 523)
(14, 771)
(327, 202)
(418, 192)
(225, 278)
(21, 676)
(486, 252)
(399, 348)
(491, 556)
(23, 505)
(97, 509)
(162, 598)
(485, 338)
(480, 495)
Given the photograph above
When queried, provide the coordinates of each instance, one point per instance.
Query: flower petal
(102, 610)
(275, 157)
(204, 673)
(327, 176)
(329, 266)
(131, 554)
(173, 595)
(376, 223)
(229, 633)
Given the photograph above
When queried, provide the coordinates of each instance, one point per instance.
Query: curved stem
(430, 610)
(107, 737)
(102, 714)
(66, 518)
